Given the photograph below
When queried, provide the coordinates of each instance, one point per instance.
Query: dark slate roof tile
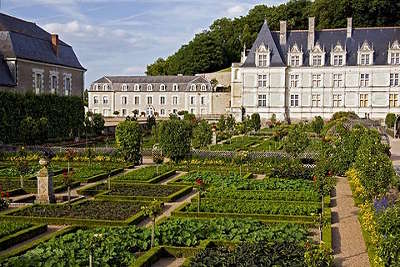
(151, 79)
(5, 75)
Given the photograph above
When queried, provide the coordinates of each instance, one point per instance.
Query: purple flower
(381, 204)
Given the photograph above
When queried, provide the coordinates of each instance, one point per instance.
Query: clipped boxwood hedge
(21, 236)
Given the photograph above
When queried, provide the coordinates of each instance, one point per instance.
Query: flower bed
(254, 207)
(151, 174)
(124, 242)
(86, 212)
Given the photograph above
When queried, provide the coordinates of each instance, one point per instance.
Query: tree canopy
(220, 45)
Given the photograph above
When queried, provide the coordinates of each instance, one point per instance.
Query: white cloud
(134, 70)
(236, 10)
(75, 28)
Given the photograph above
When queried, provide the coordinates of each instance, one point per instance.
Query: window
(316, 100)
(364, 79)
(124, 100)
(149, 100)
(317, 60)
(337, 100)
(162, 87)
(192, 110)
(96, 87)
(338, 60)
(295, 60)
(193, 87)
(136, 100)
(294, 100)
(394, 79)
(203, 87)
(263, 60)
(192, 100)
(162, 100)
(294, 80)
(149, 87)
(67, 86)
(124, 87)
(106, 87)
(123, 112)
(262, 80)
(393, 100)
(136, 87)
(38, 83)
(175, 87)
(363, 100)
(262, 100)
(53, 84)
(337, 80)
(95, 100)
(203, 100)
(105, 100)
(317, 80)
(174, 100)
(174, 111)
(364, 59)
(162, 111)
(106, 112)
(395, 58)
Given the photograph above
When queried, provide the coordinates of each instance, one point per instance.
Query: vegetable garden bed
(85, 212)
(151, 174)
(27, 232)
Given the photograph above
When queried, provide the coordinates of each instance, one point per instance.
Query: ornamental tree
(256, 121)
(390, 120)
(202, 134)
(128, 135)
(175, 137)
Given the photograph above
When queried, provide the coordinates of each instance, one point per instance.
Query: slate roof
(378, 37)
(5, 75)
(26, 40)
(151, 79)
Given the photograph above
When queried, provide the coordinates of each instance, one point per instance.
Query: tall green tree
(128, 135)
(175, 136)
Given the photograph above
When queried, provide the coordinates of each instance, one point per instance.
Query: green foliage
(344, 114)
(128, 135)
(256, 121)
(202, 135)
(98, 123)
(318, 256)
(145, 174)
(323, 179)
(64, 116)
(317, 124)
(175, 136)
(390, 120)
(296, 141)
(8, 228)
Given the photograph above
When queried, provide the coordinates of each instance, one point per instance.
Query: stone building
(33, 60)
(156, 95)
(300, 74)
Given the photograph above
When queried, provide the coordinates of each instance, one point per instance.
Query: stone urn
(45, 193)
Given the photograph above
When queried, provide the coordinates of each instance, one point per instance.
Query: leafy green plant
(296, 141)
(128, 135)
(390, 120)
(8, 228)
(175, 138)
(145, 174)
(202, 134)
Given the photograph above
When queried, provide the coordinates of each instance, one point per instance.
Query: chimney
(54, 43)
(283, 30)
(349, 27)
(311, 33)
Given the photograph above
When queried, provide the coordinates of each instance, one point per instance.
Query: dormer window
(162, 87)
(263, 56)
(338, 55)
(365, 54)
(394, 53)
(193, 87)
(124, 87)
(203, 87)
(149, 87)
(295, 56)
(317, 56)
(96, 87)
(106, 87)
(175, 87)
(136, 87)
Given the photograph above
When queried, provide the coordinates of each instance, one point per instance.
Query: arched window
(162, 87)
(124, 87)
(105, 87)
(137, 87)
(149, 87)
(193, 87)
(203, 87)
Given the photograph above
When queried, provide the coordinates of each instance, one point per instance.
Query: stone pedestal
(45, 193)
(214, 136)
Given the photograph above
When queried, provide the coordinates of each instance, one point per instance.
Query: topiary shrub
(256, 121)
(128, 135)
(317, 124)
(175, 137)
(390, 120)
(202, 135)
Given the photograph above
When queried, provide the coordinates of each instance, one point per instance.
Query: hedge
(65, 115)
(34, 243)
(103, 175)
(21, 236)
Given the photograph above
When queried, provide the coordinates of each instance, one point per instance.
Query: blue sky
(120, 37)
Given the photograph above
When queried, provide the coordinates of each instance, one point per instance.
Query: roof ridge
(341, 29)
(38, 38)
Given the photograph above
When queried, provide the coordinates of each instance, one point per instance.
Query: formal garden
(259, 197)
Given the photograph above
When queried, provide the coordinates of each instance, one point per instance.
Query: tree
(390, 120)
(256, 122)
(317, 124)
(221, 123)
(296, 141)
(202, 135)
(150, 122)
(29, 130)
(98, 123)
(175, 136)
(128, 135)
(152, 210)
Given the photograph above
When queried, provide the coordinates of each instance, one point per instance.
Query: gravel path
(347, 240)
(168, 262)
